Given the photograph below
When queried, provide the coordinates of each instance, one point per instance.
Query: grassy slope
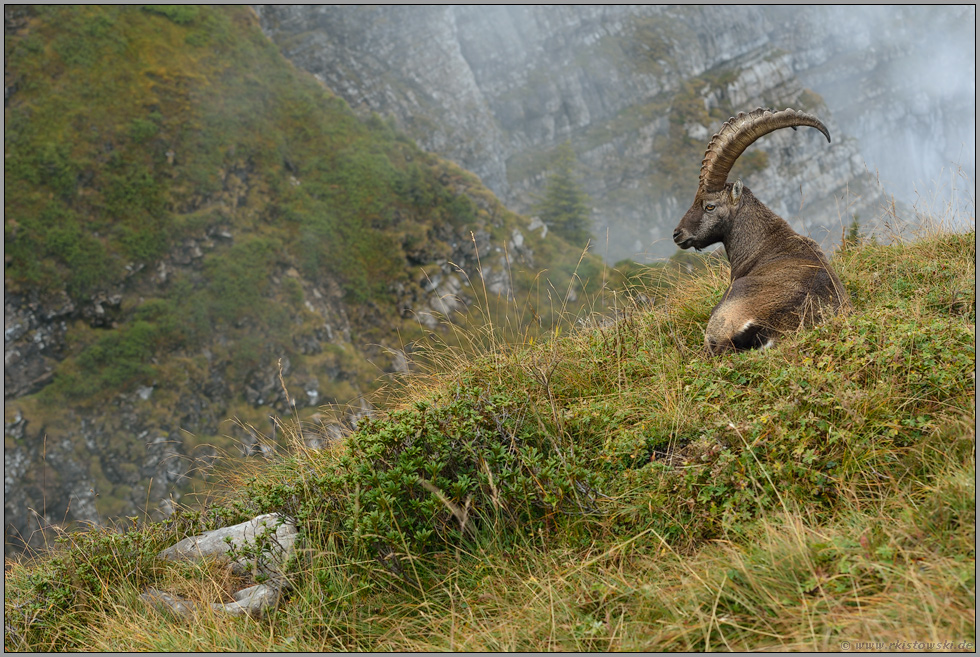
(612, 489)
(133, 130)
(105, 94)
(129, 131)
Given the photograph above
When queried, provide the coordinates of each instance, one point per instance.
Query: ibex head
(717, 202)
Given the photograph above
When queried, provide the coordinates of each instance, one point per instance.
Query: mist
(899, 81)
(498, 88)
(921, 59)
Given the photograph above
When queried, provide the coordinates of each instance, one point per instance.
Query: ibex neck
(758, 236)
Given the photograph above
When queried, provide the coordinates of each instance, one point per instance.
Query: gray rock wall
(497, 88)
(900, 80)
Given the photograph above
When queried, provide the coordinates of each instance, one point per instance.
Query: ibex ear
(736, 191)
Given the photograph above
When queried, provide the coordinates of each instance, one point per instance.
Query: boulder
(164, 601)
(260, 546)
(255, 601)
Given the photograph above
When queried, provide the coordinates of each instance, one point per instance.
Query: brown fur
(780, 280)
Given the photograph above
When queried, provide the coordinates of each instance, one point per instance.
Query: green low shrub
(432, 476)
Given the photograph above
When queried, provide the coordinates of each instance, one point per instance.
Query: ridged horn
(739, 132)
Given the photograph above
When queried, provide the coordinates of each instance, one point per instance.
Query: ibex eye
(709, 208)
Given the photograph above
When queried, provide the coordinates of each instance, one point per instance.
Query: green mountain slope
(194, 231)
(611, 489)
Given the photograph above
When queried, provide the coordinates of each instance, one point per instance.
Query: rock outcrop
(260, 548)
(151, 443)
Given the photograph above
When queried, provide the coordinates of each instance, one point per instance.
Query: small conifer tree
(564, 208)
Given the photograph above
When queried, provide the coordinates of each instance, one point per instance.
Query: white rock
(163, 600)
(277, 536)
(254, 601)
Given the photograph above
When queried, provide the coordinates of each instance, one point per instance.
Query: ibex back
(780, 280)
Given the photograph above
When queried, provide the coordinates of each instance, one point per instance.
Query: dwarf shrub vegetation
(818, 472)
(619, 431)
(434, 475)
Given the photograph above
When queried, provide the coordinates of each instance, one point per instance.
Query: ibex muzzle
(780, 280)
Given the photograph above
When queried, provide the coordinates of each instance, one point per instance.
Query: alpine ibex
(780, 280)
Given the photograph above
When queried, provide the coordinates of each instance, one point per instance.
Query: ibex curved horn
(738, 133)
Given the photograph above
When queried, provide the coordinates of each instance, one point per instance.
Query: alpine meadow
(229, 295)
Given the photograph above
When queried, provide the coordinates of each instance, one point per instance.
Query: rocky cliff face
(639, 90)
(900, 80)
(404, 61)
(143, 449)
